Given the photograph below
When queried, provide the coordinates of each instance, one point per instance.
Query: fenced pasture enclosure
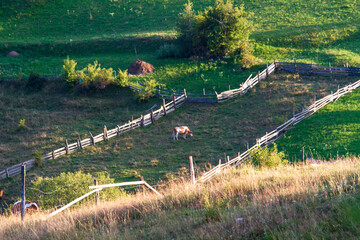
(177, 100)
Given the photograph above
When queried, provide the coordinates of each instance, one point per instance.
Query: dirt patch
(139, 68)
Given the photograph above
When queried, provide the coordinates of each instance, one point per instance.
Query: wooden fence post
(67, 146)
(163, 105)
(174, 100)
(204, 100)
(267, 70)
(185, 95)
(142, 121)
(315, 103)
(152, 116)
(117, 130)
(92, 140)
(295, 65)
(276, 65)
(258, 76)
(192, 171)
(311, 67)
(23, 175)
(79, 143)
(97, 194)
(7, 172)
(105, 133)
(228, 158)
(132, 121)
(330, 69)
(53, 154)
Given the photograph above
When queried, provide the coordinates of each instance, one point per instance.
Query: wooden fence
(276, 133)
(210, 98)
(247, 85)
(142, 121)
(296, 67)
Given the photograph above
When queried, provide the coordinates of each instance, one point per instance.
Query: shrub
(95, 76)
(35, 82)
(169, 51)
(265, 157)
(22, 125)
(219, 31)
(38, 158)
(212, 209)
(122, 78)
(68, 186)
(246, 59)
(70, 73)
(148, 90)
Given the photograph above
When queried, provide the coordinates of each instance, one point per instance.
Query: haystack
(13, 54)
(140, 68)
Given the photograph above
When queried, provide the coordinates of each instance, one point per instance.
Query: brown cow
(30, 207)
(181, 130)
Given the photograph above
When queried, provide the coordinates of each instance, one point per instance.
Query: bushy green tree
(220, 30)
(186, 29)
(66, 187)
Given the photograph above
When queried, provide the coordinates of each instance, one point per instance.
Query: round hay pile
(140, 68)
(13, 54)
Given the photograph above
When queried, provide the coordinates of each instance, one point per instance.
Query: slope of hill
(219, 129)
(46, 31)
(295, 202)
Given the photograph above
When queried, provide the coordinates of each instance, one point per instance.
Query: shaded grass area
(219, 129)
(247, 202)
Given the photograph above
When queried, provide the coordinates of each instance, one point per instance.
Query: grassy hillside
(289, 202)
(46, 31)
(219, 128)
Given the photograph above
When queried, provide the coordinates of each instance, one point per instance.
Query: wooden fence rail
(296, 67)
(274, 135)
(210, 98)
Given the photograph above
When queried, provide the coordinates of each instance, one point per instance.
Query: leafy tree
(220, 30)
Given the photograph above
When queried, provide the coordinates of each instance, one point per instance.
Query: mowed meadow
(291, 201)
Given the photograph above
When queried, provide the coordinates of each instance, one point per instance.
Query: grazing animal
(30, 207)
(181, 130)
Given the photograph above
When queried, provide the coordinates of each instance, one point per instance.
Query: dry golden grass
(287, 202)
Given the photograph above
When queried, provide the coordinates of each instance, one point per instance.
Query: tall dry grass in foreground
(287, 202)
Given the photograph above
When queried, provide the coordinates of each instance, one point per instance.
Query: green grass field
(46, 32)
